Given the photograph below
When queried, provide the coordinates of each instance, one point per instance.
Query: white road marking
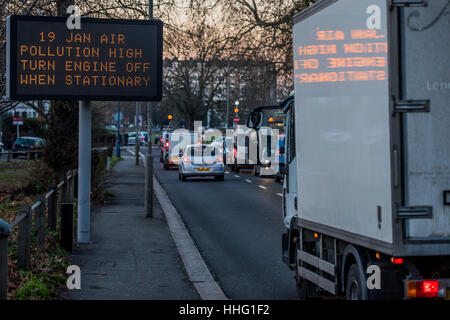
(236, 176)
(262, 187)
(248, 180)
(279, 194)
(195, 266)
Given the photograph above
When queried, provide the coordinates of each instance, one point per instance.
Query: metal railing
(45, 208)
(29, 154)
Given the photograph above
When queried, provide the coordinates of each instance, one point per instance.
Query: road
(237, 227)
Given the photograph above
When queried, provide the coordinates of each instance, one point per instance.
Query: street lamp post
(118, 131)
(236, 111)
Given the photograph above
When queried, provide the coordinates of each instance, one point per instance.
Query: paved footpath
(129, 257)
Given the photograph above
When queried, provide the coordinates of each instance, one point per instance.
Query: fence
(30, 155)
(59, 199)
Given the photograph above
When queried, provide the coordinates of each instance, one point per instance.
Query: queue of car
(198, 159)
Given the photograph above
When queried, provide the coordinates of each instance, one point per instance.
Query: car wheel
(179, 176)
(220, 178)
(277, 178)
(183, 178)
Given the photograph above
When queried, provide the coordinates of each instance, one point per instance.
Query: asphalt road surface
(237, 227)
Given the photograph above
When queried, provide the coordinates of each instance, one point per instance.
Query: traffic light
(169, 117)
(236, 110)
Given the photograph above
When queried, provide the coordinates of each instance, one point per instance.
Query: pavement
(130, 256)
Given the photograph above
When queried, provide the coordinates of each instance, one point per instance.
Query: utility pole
(118, 131)
(138, 138)
(228, 97)
(149, 157)
(149, 104)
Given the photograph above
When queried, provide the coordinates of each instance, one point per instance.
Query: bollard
(75, 184)
(108, 163)
(39, 222)
(28, 155)
(24, 239)
(67, 226)
(8, 159)
(5, 230)
(149, 186)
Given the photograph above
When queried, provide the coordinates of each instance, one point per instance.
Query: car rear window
(203, 150)
(24, 141)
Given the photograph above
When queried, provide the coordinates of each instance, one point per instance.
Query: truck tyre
(277, 178)
(302, 288)
(355, 287)
(256, 171)
(236, 168)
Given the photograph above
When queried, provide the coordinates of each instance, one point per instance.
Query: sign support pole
(149, 157)
(118, 131)
(84, 173)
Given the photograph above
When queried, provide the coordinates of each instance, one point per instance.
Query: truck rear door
(425, 128)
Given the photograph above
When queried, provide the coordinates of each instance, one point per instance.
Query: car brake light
(424, 289)
(186, 159)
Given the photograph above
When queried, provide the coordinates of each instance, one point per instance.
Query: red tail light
(424, 289)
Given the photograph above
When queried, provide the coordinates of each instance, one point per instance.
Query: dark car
(25, 145)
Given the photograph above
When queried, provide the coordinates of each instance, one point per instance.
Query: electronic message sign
(107, 59)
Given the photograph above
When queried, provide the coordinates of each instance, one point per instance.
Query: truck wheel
(302, 288)
(256, 171)
(236, 169)
(277, 178)
(354, 288)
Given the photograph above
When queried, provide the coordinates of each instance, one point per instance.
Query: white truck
(366, 199)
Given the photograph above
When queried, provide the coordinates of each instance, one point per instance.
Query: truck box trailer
(369, 214)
